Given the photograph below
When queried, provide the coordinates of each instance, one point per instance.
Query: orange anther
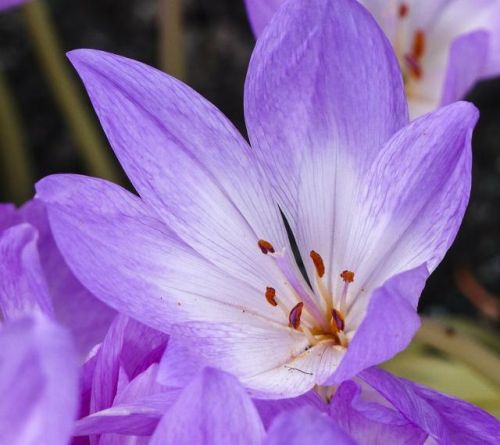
(418, 47)
(338, 320)
(265, 246)
(318, 263)
(347, 276)
(271, 296)
(403, 10)
(294, 317)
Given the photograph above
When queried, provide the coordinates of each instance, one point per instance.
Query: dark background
(218, 43)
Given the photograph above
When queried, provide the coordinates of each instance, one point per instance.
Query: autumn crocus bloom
(203, 254)
(443, 47)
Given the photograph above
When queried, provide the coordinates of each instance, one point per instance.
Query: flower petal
(306, 425)
(260, 13)
(186, 161)
(390, 322)
(369, 422)
(213, 409)
(323, 93)
(467, 60)
(444, 418)
(128, 258)
(23, 289)
(38, 383)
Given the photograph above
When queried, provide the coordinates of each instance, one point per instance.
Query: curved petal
(390, 322)
(467, 60)
(74, 306)
(186, 161)
(260, 13)
(409, 207)
(323, 93)
(8, 216)
(270, 362)
(23, 289)
(38, 383)
(212, 409)
(368, 422)
(306, 425)
(128, 258)
(444, 418)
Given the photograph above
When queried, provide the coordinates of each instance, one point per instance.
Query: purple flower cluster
(219, 335)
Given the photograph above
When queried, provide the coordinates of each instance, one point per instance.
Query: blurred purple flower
(203, 253)
(34, 277)
(444, 47)
(38, 382)
(6, 4)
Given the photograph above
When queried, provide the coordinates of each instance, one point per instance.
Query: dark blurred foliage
(219, 43)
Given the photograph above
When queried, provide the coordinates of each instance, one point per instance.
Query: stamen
(318, 263)
(403, 10)
(294, 317)
(338, 320)
(265, 246)
(347, 276)
(414, 66)
(271, 296)
(418, 48)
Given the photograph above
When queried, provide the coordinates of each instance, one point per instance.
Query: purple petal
(23, 289)
(128, 258)
(318, 121)
(306, 425)
(6, 4)
(8, 216)
(270, 409)
(186, 161)
(212, 409)
(390, 322)
(467, 61)
(370, 422)
(38, 383)
(74, 306)
(446, 419)
(260, 13)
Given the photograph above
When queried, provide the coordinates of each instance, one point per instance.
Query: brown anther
(403, 10)
(265, 246)
(418, 47)
(338, 320)
(271, 296)
(318, 263)
(347, 276)
(294, 317)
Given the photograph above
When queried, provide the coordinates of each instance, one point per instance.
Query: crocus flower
(443, 47)
(203, 253)
(38, 382)
(34, 277)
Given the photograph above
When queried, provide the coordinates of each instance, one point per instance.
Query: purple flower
(203, 254)
(444, 47)
(34, 277)
(7, 4)
(38, 382)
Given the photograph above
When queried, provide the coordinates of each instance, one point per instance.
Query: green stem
(171, 35)
(461, 347)
(15, 161)
(93, 151)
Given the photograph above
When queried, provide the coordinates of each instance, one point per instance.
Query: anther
(271, 296)
(418, 48)
(265, 246)
(347, 276)
(318, 263)
(403, 10)
(294, 317)
(338, 320)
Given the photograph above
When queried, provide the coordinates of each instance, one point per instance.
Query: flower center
(319, 317)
